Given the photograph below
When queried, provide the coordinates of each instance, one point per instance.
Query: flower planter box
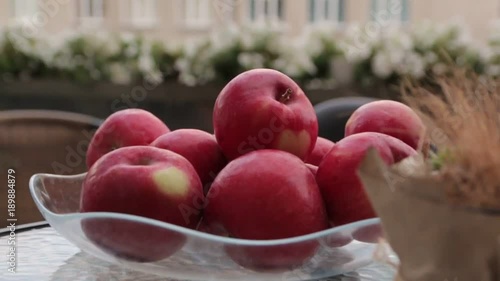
(178, 105)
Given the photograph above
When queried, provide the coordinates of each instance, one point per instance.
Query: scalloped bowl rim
(184, 230)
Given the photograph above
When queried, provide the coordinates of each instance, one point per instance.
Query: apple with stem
(264, 109)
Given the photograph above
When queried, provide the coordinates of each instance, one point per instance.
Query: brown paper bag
(434, 240)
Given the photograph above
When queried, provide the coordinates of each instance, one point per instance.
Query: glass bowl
(168, 250)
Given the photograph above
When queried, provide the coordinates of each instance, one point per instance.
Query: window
(266, 10)
(143, 12)
(197, 12)
(91, 10)
(23, 9)
(390, 10)
(326, 11)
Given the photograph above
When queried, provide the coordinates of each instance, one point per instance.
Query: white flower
(251, 60)
(312, 46)
(395, 55)
(119, 74)
(195, 67)
(295, 62)
(358, 45)
(131, 51)
(173, 47)
(148, 68)
(146, 63)
(463, 40)
(430, 57)
(182, 64)
(63, 61)
(424, 34)
(292, 70)
(191, 48)
(279, 64)
(154, 77)
(381, 65)
(313, 40)
(187, 79)
(127, 37)
(356, 54)
(111, 46)
(304, 62)
(485, 53)
(401, 41)
(412, 65)
(294, 66)
(356, 49)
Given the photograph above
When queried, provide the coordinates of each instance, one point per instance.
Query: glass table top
(44, 255)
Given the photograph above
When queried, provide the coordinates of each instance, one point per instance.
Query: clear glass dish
(171, 251)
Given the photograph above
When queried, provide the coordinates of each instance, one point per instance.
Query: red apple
(144, 181)
(342, 190)
(266, 194)
(128, 127)
(322, 147)
(388, 117)
(199, 148)
(264, 109)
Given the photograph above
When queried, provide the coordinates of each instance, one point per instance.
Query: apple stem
(286, 96)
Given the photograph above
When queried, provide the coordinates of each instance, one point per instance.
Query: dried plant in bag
(441, 213)
(462, 115)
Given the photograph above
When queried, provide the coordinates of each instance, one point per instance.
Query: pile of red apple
(264, 173)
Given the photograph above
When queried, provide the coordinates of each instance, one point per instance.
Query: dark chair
(333, 115)
(41, 141)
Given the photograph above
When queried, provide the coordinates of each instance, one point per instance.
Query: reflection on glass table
(43, 255)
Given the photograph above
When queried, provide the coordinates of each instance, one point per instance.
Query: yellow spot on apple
(295, 143)
(172, 181)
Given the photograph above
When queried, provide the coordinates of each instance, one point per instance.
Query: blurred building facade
(181, 19)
